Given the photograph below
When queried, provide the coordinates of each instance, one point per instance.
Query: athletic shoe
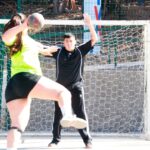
(53, 143)
(88, 145)
(73, 121)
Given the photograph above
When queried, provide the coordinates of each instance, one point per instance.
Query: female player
(27, 82)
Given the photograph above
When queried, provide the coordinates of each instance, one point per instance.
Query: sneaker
(73, 121)
(88, 145)
(53, 143)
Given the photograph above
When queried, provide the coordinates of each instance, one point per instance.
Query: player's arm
(11, 33)
(90, 25)
(47, 50)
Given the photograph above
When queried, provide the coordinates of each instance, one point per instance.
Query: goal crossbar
(95, 22)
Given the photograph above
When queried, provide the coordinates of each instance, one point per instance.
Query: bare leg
(19, 111)
(50, 90)
(73, 5)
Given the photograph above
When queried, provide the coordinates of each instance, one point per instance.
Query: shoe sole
(52, 145)
(77, 123)
(88, 146)
(65, 123)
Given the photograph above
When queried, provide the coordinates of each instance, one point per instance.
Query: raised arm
(90, 25)
(11, 33)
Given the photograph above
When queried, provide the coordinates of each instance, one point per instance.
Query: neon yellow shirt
(26, 60)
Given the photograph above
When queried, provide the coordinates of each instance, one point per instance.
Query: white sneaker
(73, 121)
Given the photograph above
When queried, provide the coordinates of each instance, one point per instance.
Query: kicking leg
(51, 90)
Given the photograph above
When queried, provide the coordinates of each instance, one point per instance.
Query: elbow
(4, 38)
(94, 40)
(96, 37)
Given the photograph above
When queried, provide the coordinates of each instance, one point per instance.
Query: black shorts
(20, 85)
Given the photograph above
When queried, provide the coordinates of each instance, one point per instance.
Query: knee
(64, 98)
(65, 94)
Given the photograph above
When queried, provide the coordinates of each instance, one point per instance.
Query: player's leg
(51, 90)
(47, 89)
(19, 111)
(56, 126)
(73, 5)
(78, 105)
(55, 6)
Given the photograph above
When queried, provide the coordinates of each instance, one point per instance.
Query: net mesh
(110, 9)
(113, 79)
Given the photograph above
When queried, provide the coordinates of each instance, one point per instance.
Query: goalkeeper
(69, 73)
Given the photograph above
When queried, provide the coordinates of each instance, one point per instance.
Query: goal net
(116, 77)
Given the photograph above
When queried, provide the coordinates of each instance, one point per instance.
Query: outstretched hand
(87, 19)
(88, 22)
(47, 50)
(52, 49)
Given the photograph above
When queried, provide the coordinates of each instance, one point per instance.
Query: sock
(66, 111)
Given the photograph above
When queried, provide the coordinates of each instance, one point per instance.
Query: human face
(69, 43)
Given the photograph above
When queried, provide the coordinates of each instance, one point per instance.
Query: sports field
(75, 143)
